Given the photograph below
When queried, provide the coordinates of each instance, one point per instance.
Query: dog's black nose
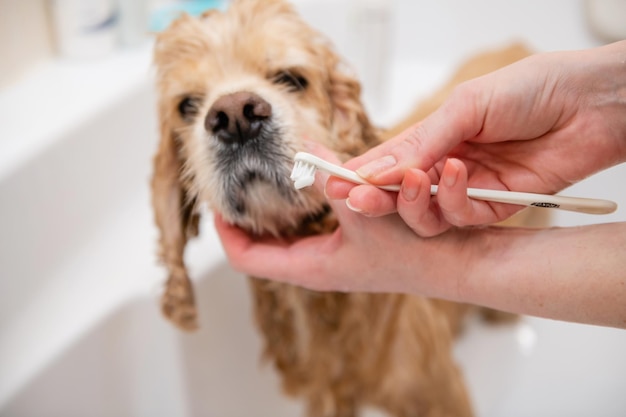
(237, 117)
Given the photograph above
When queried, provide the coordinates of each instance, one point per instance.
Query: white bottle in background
(372, 19)
(84, 29)
(134, 17)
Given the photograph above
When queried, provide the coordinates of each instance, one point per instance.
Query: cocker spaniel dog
(238, 91)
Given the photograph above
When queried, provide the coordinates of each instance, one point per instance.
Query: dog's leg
(329, 405)
(419, 378)
(277, 318)
(309, 351)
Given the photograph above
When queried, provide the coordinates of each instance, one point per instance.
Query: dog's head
(238, 93)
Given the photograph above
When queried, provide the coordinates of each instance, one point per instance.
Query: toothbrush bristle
(303, 174)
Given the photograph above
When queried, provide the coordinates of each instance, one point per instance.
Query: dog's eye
(293, 81)
(188, 107)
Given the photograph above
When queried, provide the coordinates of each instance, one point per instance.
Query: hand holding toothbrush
(538, 126)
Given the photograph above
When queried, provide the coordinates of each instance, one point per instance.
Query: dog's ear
(351, 125)
(176, 222)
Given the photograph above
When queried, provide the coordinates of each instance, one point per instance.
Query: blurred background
(80, 331)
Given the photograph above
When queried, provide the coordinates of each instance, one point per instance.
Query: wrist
(610, 84)
(454, 260)
(497, 265)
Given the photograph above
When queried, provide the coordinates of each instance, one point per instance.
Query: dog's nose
(237, 117)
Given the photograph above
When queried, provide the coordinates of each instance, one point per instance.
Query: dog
(238, 91)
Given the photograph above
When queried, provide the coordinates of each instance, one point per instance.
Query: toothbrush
(303, 175)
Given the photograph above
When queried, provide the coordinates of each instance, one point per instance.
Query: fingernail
(410, 191)
(411, 185)
(351, 207)
(377, 166)
(451, 175)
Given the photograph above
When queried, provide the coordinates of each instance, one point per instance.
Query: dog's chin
(262, 211)
(264, 201)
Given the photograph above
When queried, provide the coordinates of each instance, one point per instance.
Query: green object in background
(163, 16)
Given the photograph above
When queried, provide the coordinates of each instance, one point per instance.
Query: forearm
(573, 274)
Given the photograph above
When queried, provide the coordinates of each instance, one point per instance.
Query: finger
(417, 208)
(338, 189)
(460, 118)
(242, 248)
(371, 201)
(235, 241)
(457, 207)
(266, 257)
(233, 238)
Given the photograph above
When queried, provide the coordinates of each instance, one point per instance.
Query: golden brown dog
(238, 91)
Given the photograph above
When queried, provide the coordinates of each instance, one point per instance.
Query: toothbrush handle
(581, 205)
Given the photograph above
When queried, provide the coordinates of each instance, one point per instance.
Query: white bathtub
(80, 330)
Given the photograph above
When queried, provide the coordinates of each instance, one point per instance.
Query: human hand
(538, 125)
(364, 254)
